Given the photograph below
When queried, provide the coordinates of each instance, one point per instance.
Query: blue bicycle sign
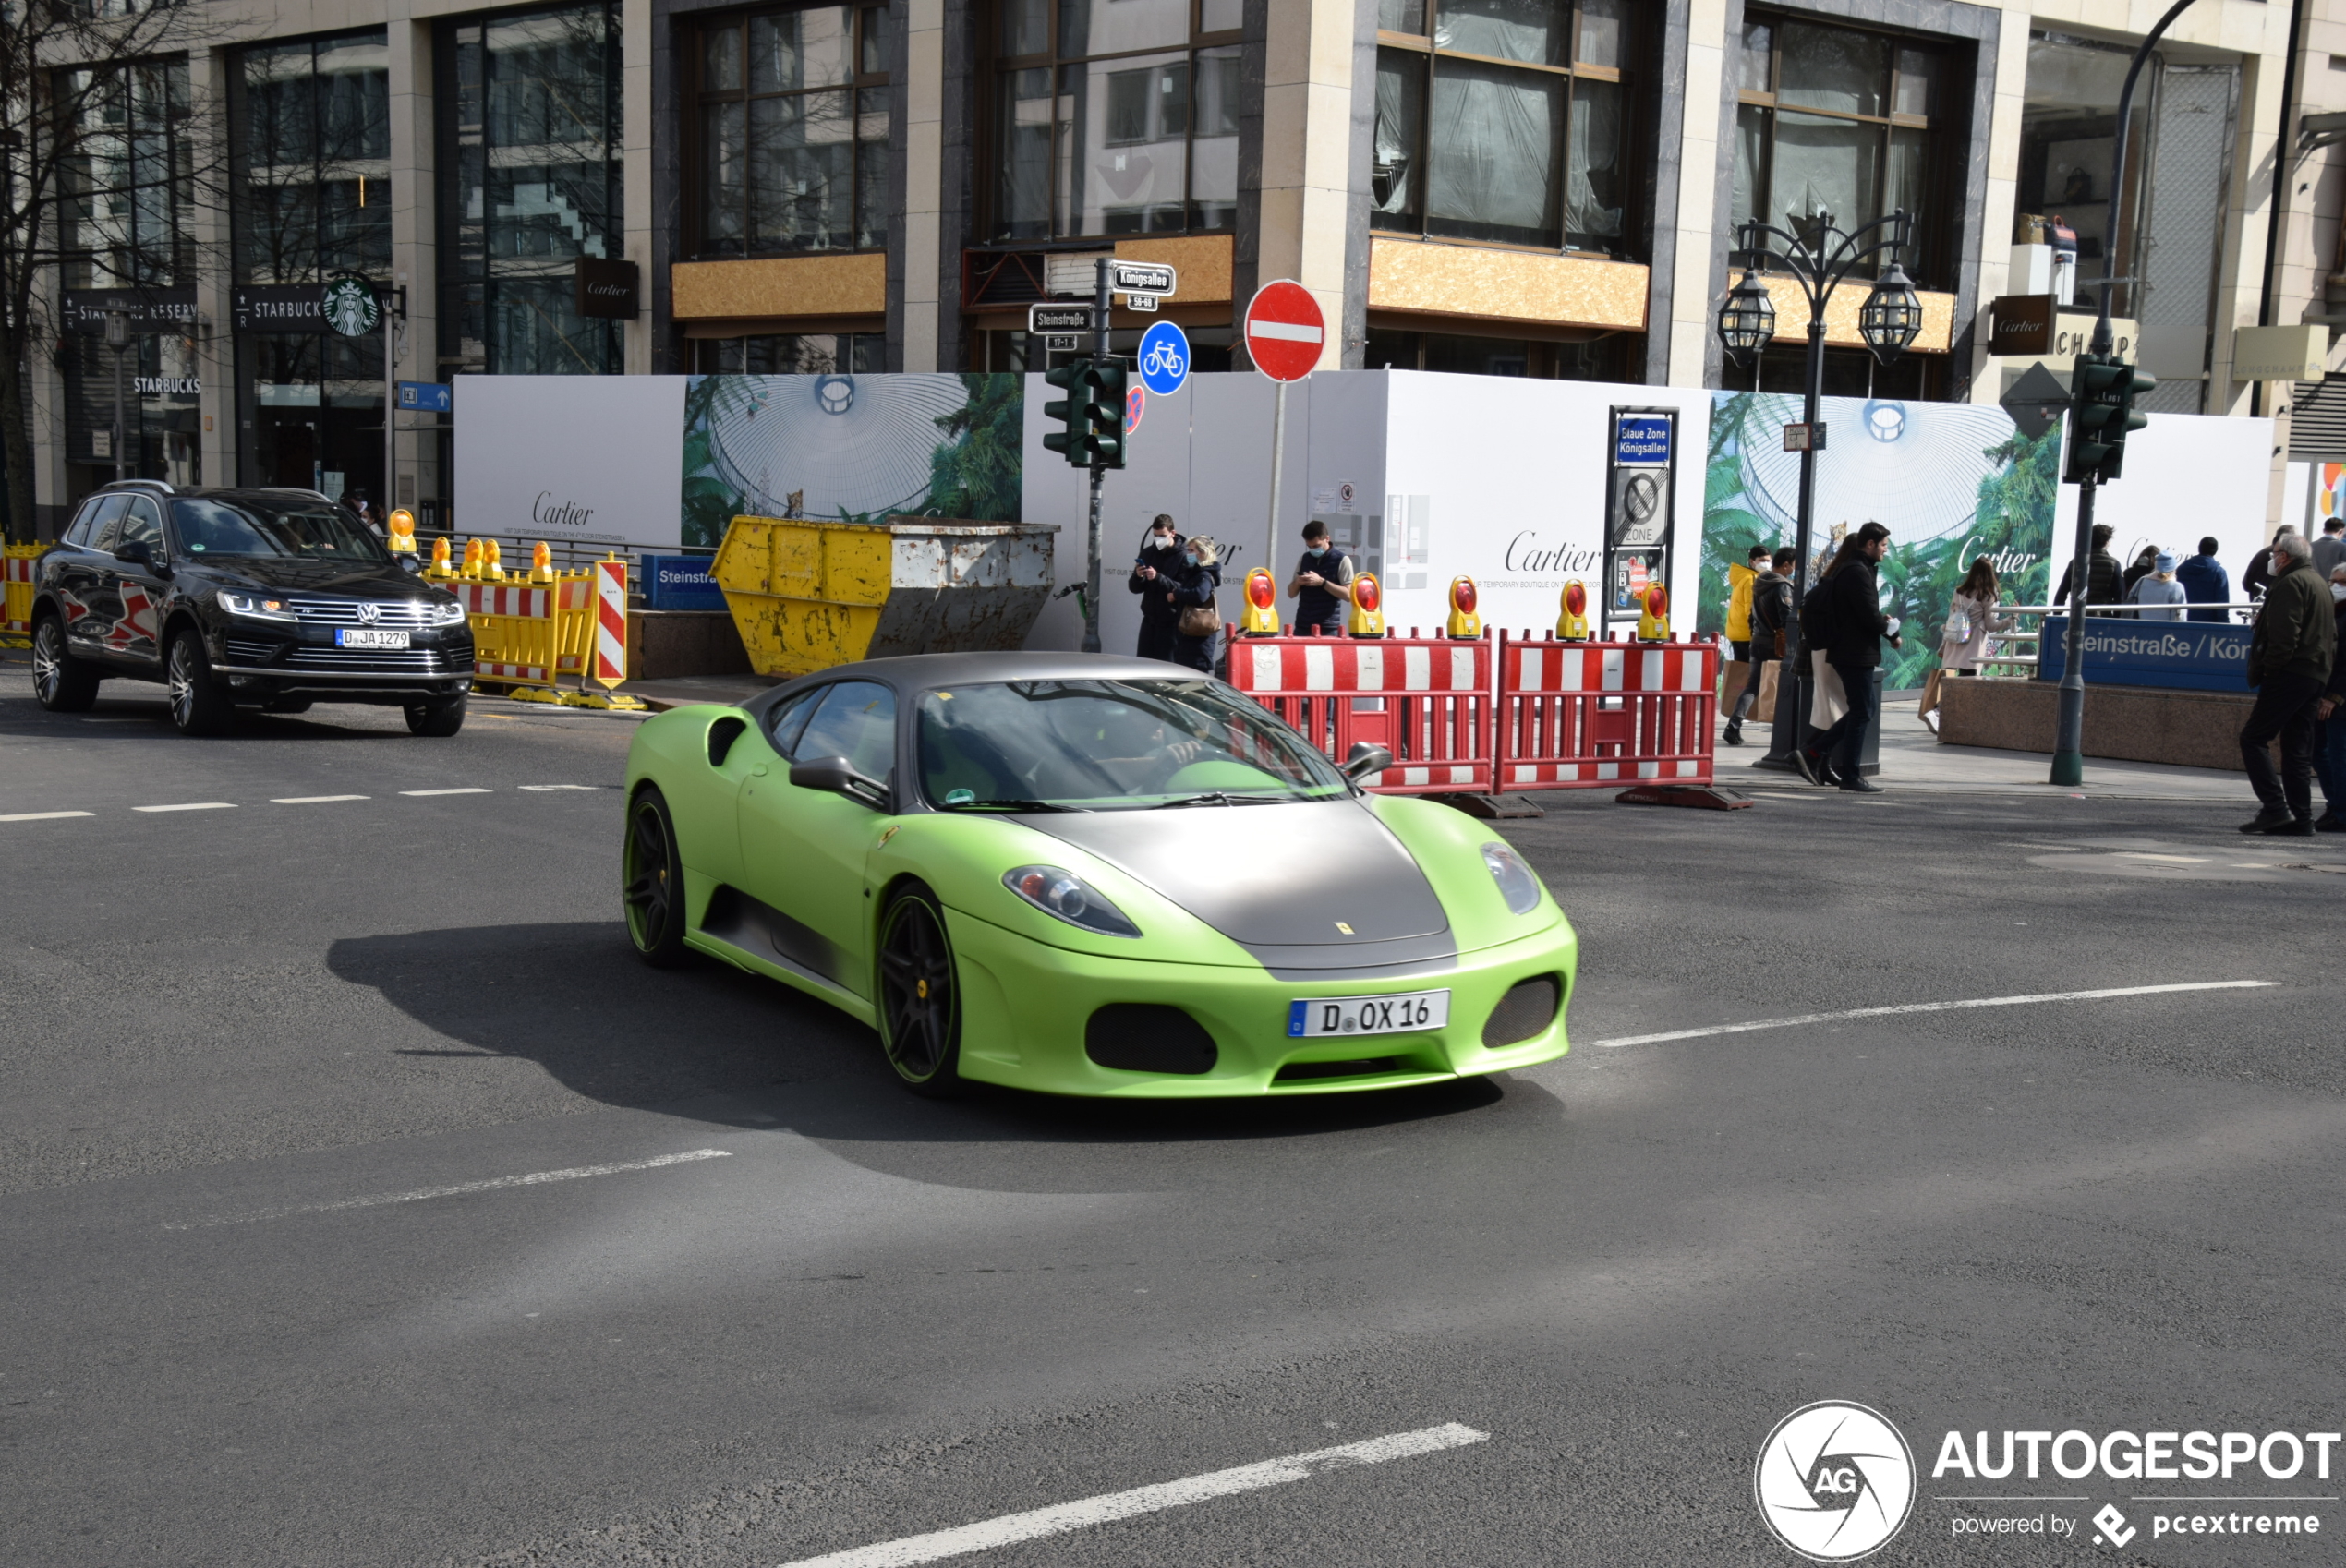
(1165, 358)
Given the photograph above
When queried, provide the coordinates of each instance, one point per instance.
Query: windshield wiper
(1011, 806)
(1223, 797)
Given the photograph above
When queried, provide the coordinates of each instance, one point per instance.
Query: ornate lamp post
(1818, 257)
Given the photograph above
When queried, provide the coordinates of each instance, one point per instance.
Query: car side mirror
(1365, 758)
(409, 564)
(839, 775)
(136, 553)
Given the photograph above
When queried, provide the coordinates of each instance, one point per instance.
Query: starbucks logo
(350, 306)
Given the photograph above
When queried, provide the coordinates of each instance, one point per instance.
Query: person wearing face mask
(1154, 571)
(2330, 725)
(1198, 630)
(1321, 587)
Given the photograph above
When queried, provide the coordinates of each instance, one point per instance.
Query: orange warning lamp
(1572, 626)
(440, 567)
(1653, 614)
(541, 563)
(1464, 622)
(1262, 619)
(1367, 618)
(472, 558)
(492, 561)
(402, 523)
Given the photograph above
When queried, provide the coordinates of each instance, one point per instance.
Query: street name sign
(1058, 318)
(1140, 277)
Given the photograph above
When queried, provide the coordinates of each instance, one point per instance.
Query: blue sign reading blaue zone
(681, 582)
(1642, 437)
(2191, 656)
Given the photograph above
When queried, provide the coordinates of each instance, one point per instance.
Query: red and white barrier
(1427, 701)
(1578, 714)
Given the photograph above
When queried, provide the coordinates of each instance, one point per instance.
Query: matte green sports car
(1088, 876)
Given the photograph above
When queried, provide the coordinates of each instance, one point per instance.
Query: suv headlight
(1062, 895)
(449, 614)
(1517, 885)
(257, 606)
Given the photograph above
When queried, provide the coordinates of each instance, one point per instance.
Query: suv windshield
(301, 530)
(1100, 746)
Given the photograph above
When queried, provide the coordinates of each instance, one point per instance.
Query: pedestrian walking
(2330, 725)
(2159, 596)
(2290, 659)
(1972, 618)
(1198, 634)
(1321, 585)
(1846, 635)
(2329, 550)
(1742, 674)
(1154, 570)
(2146, 562)
(2105, 581)
(2205, 581)
(1771, 620)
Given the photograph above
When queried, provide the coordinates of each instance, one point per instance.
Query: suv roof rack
(138, 484)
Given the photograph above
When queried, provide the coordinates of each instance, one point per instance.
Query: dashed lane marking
(548, 789)
(1933, 1007)
(534, 1179)
(43, 815)
(312, 800)
(193, 805)
(1090, 1510)
(467, 789)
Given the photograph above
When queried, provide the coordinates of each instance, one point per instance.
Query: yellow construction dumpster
(808, 595)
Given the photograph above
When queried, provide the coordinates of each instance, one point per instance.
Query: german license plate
(1405, 1014)
(367, 637)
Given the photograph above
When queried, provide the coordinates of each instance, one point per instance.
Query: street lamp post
(1817, 258)
(117, 339)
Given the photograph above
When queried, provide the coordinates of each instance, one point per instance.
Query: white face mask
(2338, 591)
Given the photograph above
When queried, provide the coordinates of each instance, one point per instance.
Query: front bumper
(259, 665)
(1025, 1007)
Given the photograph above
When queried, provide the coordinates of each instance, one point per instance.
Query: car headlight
(1517, 885)
(1062, 895)
(449, 614)
(257, 606)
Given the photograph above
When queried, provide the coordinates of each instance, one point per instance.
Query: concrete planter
(2129, 723)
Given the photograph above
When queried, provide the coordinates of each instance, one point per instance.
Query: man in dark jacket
(1850, 626)
(1158, 567)
(2290, 659)
(2105, 579)
(2329, 730)
(2205, 581)
(1770, 629)
(2259, 576)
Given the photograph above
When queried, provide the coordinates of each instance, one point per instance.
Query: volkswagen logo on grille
(370, 613)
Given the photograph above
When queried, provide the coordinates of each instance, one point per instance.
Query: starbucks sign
(350, 306)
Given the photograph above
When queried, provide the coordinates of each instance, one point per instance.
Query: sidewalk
(1912, 759)
(684, 690)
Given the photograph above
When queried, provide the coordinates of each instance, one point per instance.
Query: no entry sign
(1285, 330)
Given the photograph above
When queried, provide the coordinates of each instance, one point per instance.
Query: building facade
(1536, 187)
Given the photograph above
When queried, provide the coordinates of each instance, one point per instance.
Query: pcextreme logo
(1835, 1481)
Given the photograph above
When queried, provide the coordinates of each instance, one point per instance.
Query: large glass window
(530, 181)
(1504, 120)
(1114, 117)
(1838, 120)
(313, 158)
(128, 178)
(791, 110)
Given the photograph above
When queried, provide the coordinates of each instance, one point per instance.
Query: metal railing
(2015, 655)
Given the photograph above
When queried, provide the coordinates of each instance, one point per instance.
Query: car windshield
(1106, 745)
(300, 530)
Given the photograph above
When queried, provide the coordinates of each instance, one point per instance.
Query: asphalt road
(231, 1038)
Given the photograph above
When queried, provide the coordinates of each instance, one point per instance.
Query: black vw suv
(243, 597)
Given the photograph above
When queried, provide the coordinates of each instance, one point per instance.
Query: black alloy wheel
(198, 705)
(62, 683)
(652, 882)
(920, 1004)
(441, 716)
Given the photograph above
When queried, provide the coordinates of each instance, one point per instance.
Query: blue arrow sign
(1165, 358)
(425, 397)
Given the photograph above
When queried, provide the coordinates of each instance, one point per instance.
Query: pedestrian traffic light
(1073, 441)
(2102, 391)
(1110, 380)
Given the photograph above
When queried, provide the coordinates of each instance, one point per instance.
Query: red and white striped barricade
(1425, 700)
(525, 632)
(1580, 715)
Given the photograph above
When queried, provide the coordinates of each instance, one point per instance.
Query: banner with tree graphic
(1951, 481)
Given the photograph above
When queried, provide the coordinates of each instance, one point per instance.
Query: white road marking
(311, 800)
(43, 815)
(1090, 1510)
(542, 789)
(535, 1178)
(193, 805)
(468, 790)
(1933, 1007)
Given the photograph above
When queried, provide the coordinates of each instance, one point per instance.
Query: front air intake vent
(1529, 1007)
(1147, 1037)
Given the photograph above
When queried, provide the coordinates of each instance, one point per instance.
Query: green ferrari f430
(1088, 876)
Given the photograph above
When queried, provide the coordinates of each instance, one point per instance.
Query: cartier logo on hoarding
(605, 289)
(548, 513)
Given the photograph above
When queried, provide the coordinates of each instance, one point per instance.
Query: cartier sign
(607, 289)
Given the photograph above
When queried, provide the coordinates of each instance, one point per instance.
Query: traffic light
(2103, 389)
(1073, 438)
(1110, 380)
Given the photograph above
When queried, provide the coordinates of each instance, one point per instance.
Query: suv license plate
(1405, 1014)
(365, 637)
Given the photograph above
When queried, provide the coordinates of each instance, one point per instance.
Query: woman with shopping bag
(1972, 618)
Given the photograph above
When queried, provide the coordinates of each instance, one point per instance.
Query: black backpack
(1815, 615)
